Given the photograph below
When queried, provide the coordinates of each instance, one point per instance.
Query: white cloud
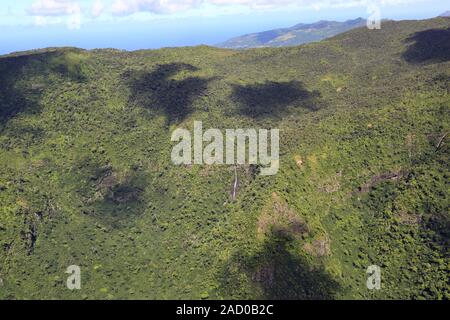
(128, 7)
(40, 21)
(256, 3)
(54, 8)
(93, 9)
(308, 3)
(97, 8)
(47, 12)
(74, 22)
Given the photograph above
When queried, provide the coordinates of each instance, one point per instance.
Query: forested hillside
(86, 177)
(299, 34)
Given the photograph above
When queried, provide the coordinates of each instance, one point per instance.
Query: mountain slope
(86, 177)
(296, 35)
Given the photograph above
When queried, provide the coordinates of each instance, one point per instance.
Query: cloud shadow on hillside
(16, 97)
(18, 92)
(431, 45)
(273, 98)
(112, 197)
(279, 275)
(157, 90)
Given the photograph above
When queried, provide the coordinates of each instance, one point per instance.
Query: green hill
(86, 177)
(299, 34)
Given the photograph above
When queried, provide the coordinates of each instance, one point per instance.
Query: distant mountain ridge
(445, 14)
(296, 35)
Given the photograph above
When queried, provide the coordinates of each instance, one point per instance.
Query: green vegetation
(86, 177)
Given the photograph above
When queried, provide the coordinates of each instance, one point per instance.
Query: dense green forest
(86, 177)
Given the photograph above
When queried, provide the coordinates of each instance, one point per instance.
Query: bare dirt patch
(392, 176)
(278, 219)
(319, 247)
(409, 218)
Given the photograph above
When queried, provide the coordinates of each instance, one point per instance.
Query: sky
(149, 24)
